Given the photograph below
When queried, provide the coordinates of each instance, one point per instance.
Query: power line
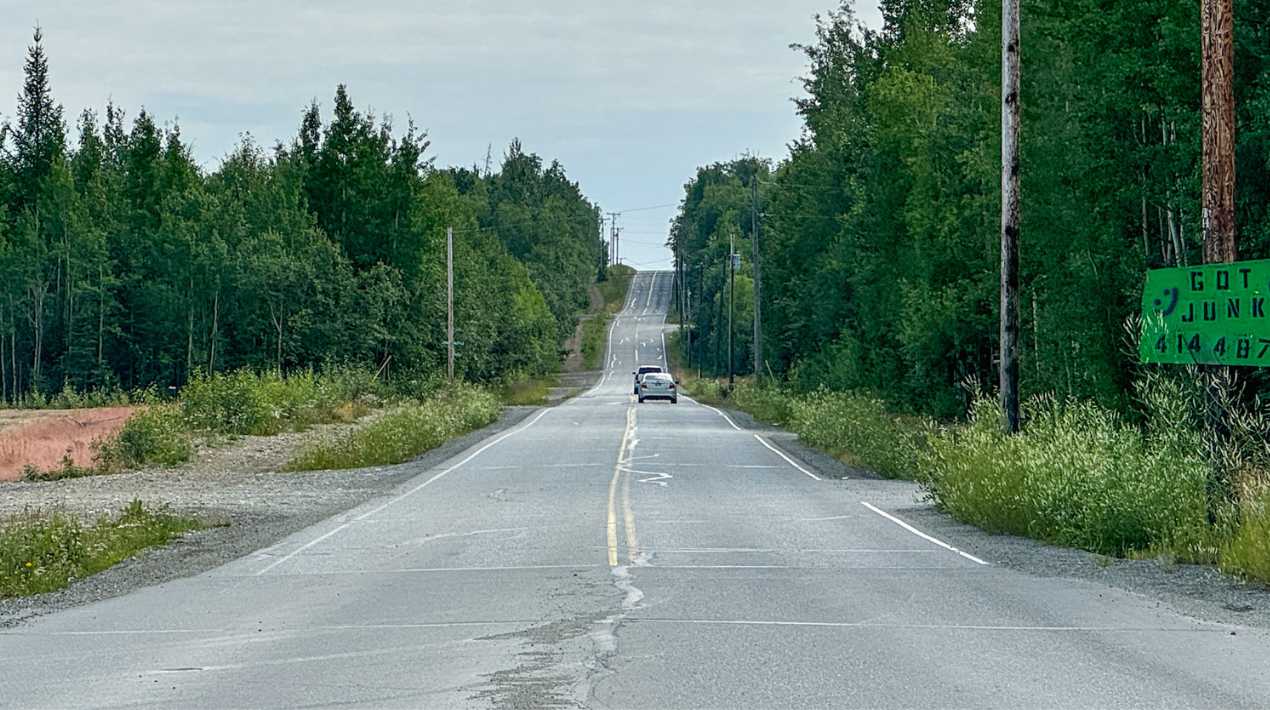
(648, 208)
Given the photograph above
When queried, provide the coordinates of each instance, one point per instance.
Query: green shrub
(1247, 553)
(595, 332)
(243, 402)
(859, 430)
(45, 552)
(155, 435)
(527, 391)
(1076, 475)
(770, 404)
(66, 469)
(404, 433)
(613, 289)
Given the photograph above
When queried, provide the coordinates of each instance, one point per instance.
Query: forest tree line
(125, 264)
(880, 229)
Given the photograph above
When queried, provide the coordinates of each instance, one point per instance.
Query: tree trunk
(39, 292)
(211, 344)
(101, 314)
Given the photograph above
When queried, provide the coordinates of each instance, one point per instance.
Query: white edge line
(716, 411)
(401, 496)
(788, 460)
(921, 534)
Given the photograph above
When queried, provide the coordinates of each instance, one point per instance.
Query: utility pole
(1219, 131)
(1217, 22)
(613, 252)
(732, 255)
(1009, 366)
(449, 290)
(758, 279)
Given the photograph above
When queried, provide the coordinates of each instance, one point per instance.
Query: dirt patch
(42, 438)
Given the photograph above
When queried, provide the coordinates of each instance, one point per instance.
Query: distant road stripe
(788, 460)
(921, 534)
(402, 496)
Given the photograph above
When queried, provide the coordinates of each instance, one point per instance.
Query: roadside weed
(403, 433)
(44, 552)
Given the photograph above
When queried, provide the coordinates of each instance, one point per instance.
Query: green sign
(1215, 314)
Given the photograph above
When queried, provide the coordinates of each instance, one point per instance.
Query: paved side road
(609, 554)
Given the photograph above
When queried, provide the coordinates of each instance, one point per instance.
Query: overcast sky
(630, 97)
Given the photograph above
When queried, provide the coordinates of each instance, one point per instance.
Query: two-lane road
(610, 554)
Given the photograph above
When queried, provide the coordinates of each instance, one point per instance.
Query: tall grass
(244, 402)
(614, 289)
(527, 391)
(595, 340)
(1076, 475)
(859, 430)
(46, 552)
(1247, 552)
(155, 435)
(403, 433)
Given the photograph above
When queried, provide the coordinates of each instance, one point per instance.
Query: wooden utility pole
(1219, 131)
(758, 278)
(449, 291)
(731, 303)
(614, 256)
(1009, 367)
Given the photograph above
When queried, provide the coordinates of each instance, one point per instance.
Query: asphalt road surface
(609, 554)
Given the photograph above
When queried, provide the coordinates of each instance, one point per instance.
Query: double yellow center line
(624, 460)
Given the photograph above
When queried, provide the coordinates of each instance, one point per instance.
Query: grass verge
(615, 287)
(403, 433)
(528, 391)
(44, 552)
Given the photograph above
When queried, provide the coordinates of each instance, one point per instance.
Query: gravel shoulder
(1198, 591)
(236, 488)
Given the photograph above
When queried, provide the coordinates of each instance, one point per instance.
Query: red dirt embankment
(42, 437)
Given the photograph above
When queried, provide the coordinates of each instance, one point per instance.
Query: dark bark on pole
(1217, 22)
(1009, 368)
(1219, 132)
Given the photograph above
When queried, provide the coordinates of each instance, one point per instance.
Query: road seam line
(921, 534)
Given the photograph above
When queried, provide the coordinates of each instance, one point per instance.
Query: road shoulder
(1198, 591)
(247, 511)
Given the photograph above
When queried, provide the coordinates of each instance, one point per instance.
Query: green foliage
(66, 469)
(156, 435)
(595, 331)
(403, 433)
(525, 391)
(244, 402)
(1247, 553)
(1077, 475)
(127, 265)
(879, 228)
(615, 286)
(45, 552)
(774, 405)
(859, 430)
